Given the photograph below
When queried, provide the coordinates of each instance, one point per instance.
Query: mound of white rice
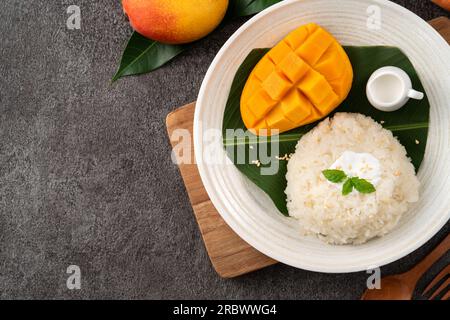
(320, 207)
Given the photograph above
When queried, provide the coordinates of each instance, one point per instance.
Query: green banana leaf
(409, 124)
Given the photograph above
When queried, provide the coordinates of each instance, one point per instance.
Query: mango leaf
(409, 124)
(241, 8)
(142, 55)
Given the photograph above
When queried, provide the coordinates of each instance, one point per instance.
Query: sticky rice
(320, 207)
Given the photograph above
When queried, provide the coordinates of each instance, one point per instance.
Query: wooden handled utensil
(401, 286)
(443, 3)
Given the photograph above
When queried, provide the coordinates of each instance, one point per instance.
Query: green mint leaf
(363, 185)
(347, 188)
(335, 176)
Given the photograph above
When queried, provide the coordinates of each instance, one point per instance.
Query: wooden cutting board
(230, 255)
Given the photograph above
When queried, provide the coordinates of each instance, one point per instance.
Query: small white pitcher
(389, 88)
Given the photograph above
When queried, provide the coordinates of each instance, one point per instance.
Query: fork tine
(440, 289)
(437, 279)
(446, 296)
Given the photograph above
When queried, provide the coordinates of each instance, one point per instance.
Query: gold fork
(441, 277)
(401, 286)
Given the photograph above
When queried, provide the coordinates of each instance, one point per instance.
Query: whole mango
(175, 21)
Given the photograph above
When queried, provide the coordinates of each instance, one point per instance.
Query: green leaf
(335, 176)
(347, 187)
(241, 8)
(362, 185)
(142, 55)
(410, 123)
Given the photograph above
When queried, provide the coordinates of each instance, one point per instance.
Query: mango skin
(175, 21)
(299, 81)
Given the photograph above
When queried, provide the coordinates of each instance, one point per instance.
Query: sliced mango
(294, 102)
(276, 85)
(260, 103)
(299, 81)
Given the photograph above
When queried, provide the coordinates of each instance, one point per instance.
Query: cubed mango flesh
(300, 80)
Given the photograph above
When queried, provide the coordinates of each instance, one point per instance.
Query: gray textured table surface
(85, 171)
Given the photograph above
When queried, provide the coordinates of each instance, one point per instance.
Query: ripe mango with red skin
(175, 21)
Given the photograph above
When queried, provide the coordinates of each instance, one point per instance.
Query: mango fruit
(300, 80)
(175, 21)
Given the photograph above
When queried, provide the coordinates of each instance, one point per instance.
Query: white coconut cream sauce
(361, 165)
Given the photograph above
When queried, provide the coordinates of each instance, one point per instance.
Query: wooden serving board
(230, 255)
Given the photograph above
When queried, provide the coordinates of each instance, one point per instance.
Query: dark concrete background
(85, 170)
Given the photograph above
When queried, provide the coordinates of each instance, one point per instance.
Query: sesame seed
(257, 163)
(285, 157)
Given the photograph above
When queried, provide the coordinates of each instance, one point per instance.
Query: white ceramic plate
(250, 212)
